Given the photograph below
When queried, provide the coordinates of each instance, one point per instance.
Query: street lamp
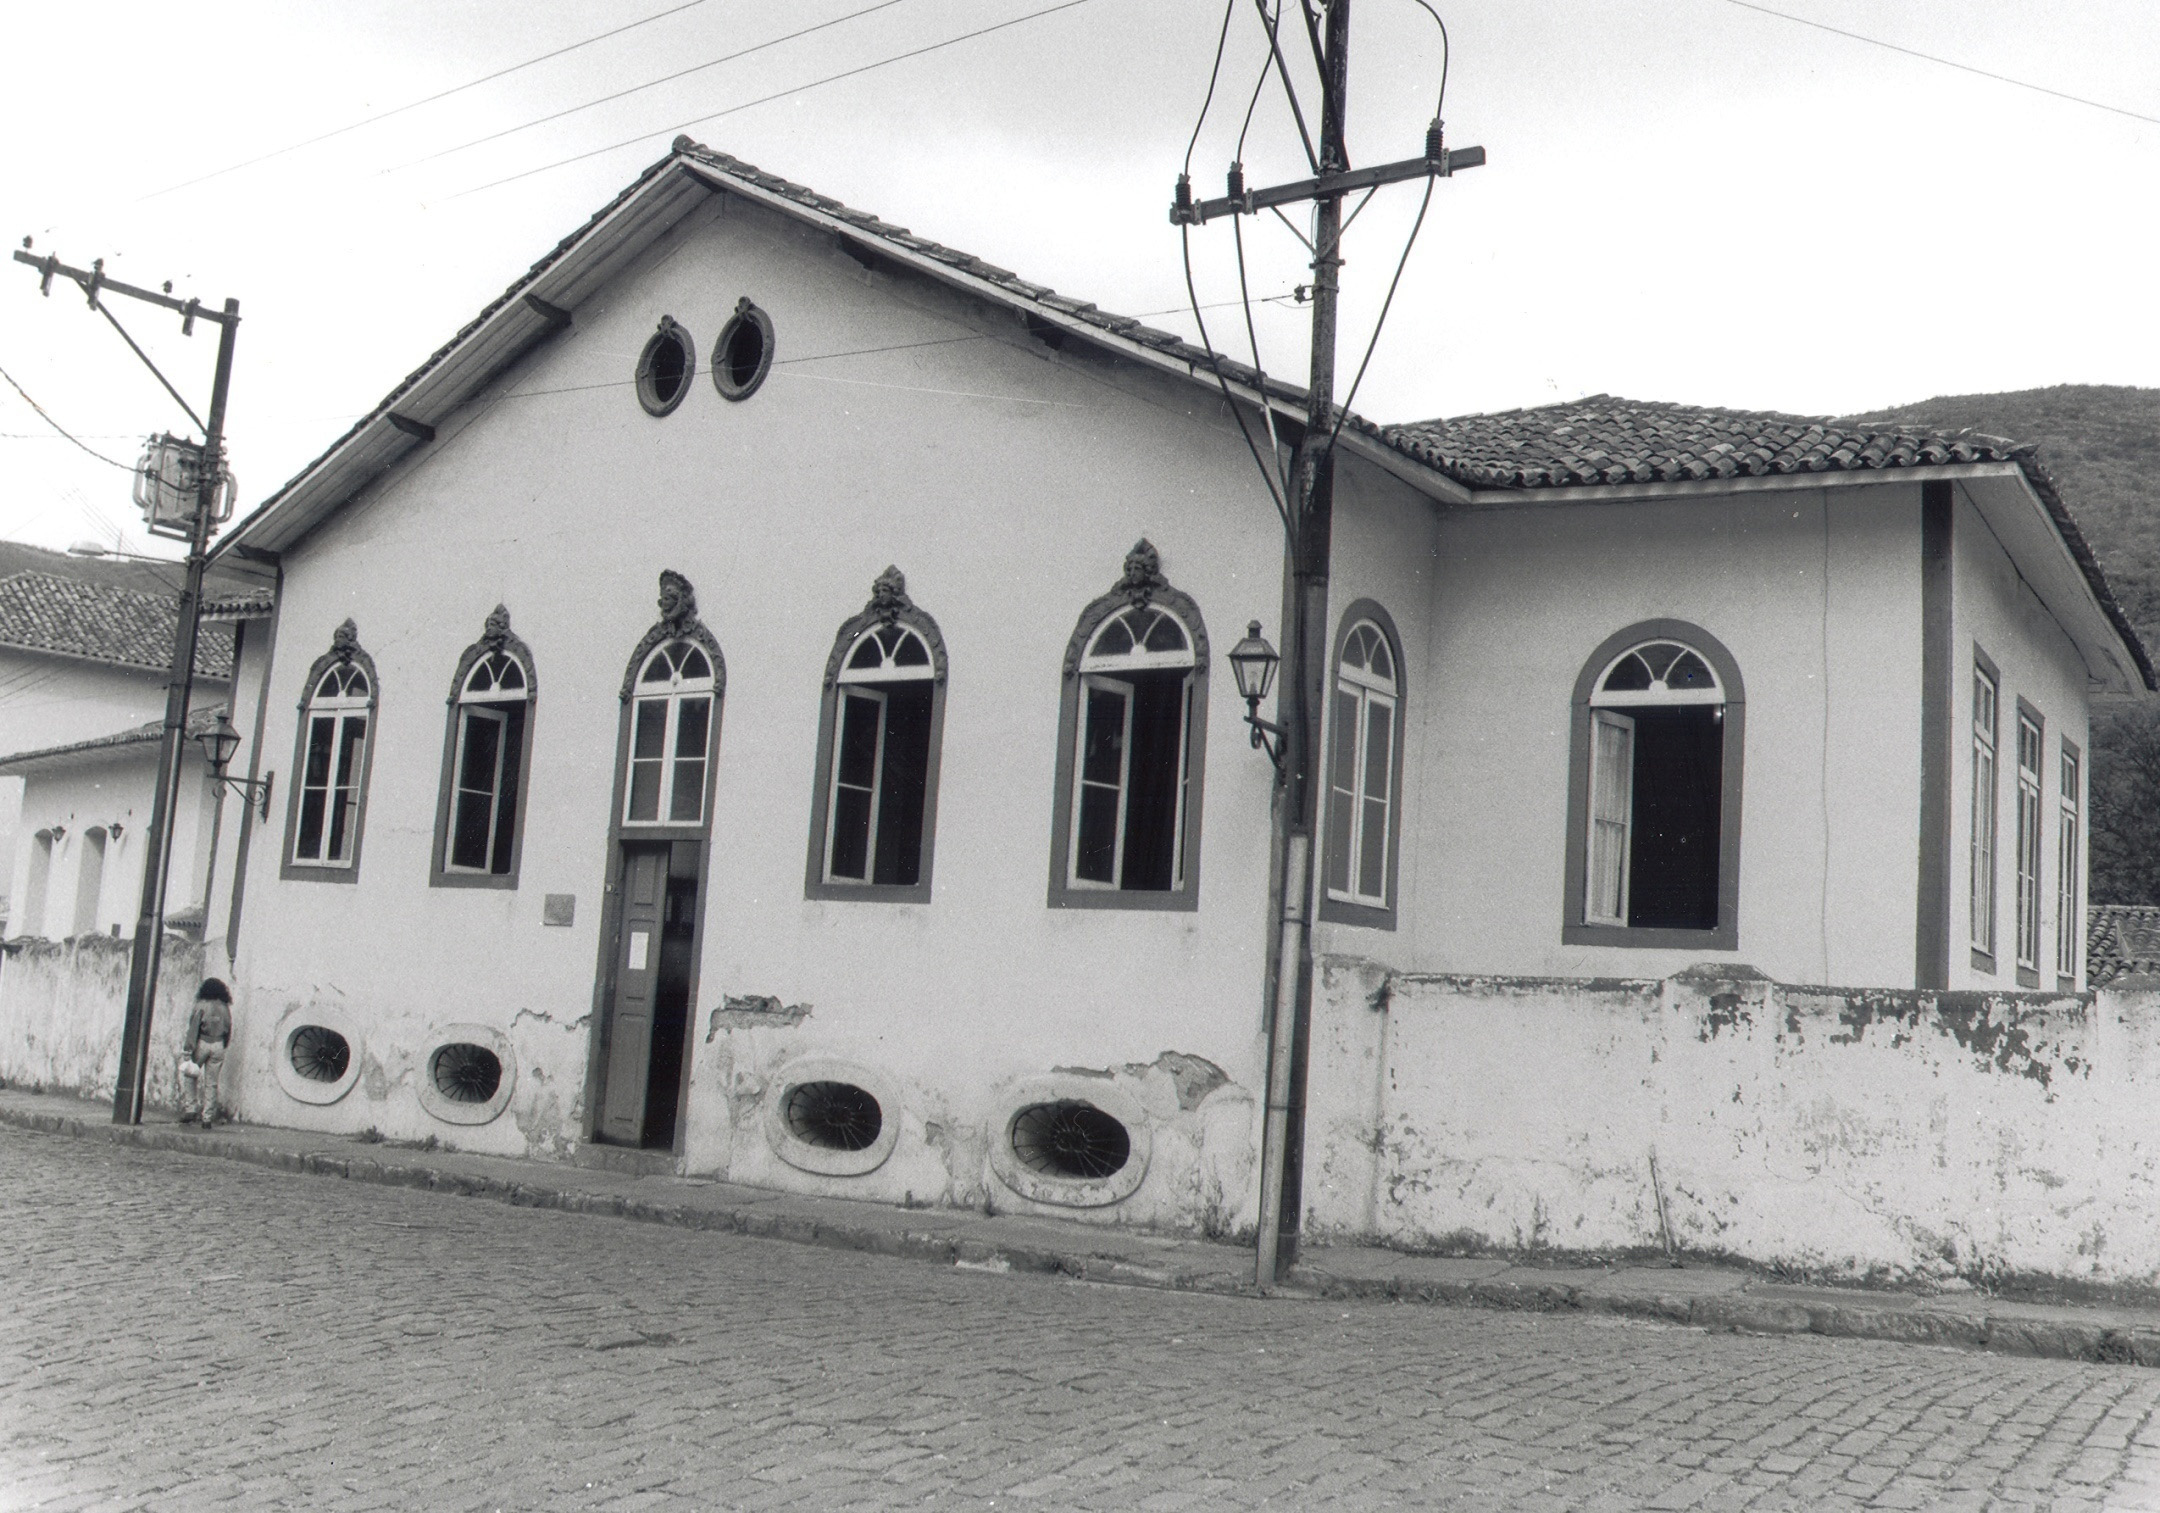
(1253, 663)
(219, 743)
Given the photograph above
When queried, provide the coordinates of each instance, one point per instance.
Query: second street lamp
(219, 743)
(1253, 662)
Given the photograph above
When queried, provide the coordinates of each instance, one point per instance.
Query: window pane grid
(2069, 922)
(1983, 813)
(2028, 843)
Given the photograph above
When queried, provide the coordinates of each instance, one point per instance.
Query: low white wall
(61, 1004)
(1843, 1133)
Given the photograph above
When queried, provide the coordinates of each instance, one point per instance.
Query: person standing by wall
(202, 1053)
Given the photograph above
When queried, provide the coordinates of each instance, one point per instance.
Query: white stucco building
(910, 846)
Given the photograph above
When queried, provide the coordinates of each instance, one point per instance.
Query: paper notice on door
(640, 945)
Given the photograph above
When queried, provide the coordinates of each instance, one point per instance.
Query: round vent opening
(465, 1073)
(1070, 1139)
(743, 355)
(837, 1116)
(318, 1053)
(665, 367)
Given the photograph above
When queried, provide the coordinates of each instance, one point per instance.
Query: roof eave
(504, 332)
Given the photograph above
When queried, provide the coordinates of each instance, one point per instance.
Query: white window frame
(1368, 690)
(351, 702)
(1099, 671)
(2030, 741)
(1608, 711)
(672, 694)
(484, 686)
(1615, 846)
(874, 683)
(2069, 919)
(1987, 699)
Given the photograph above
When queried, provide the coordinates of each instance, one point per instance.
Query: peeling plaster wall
(61, 1004)
(1846, 1133)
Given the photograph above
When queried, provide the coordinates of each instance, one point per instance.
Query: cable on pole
(1272, 22)
(1214, 75)
(1267, 474)
(1439, 104)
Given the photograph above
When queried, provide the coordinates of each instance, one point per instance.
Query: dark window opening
(664, 368)
(1674, 851)
(1132, 778)
(465, 1073)
(833, 1115)
(881, 773)
(743, 354)
(483, 817)
(1070, 1139)
(318, 1053)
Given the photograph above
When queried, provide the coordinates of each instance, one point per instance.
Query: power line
(1911, 52)
(681, 73)
(645, 136)
(431, 99)
(63, 430)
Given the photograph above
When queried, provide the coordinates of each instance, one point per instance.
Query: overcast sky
(1686, 199)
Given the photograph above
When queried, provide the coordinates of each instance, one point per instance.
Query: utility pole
(1310, 508)
(149, 942)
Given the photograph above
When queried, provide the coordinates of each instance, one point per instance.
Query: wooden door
(637, 979)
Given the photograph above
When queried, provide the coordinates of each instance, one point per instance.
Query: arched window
(1365, 742)
(1133, 732)
(329, 802)
(487, 749)
(1654, 822)
(670, 737)
(874, 811)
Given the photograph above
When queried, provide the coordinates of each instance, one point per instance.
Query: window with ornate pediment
(874, 809)
(328, 802)
(673, 689)
(487, 750)
(1654, 803)
(1132, 735)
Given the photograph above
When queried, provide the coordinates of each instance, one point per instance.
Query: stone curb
(2066, 1338)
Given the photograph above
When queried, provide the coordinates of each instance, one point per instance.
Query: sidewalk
(1707, 1296)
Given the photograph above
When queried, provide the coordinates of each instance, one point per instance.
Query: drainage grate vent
(465, 1073)
(319, 1053)
(1070, 1139)
(836, 1116)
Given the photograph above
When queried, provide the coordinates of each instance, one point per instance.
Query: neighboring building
(911, 847)
(2123, 942)
(85, 647)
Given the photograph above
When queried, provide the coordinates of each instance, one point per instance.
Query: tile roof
(250, 604)
(199, 721)
(1607, 440)
(101, 622)
(2121, 940)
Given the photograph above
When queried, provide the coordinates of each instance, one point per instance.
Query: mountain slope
(2102, 443)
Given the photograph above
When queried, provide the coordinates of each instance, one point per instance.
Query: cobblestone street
(178, 1332)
